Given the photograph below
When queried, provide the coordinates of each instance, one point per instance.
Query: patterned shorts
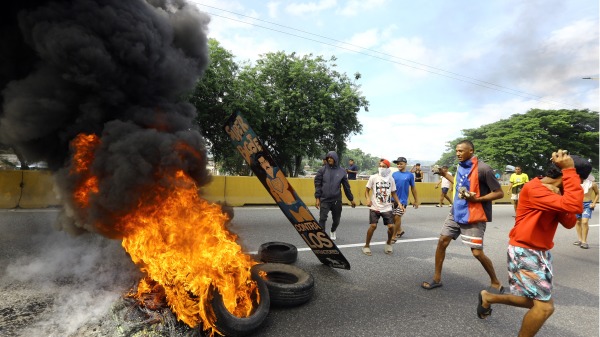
(397, 210)
(530, 273)
(587, 211)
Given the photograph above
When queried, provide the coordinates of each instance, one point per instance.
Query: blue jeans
(336, 213)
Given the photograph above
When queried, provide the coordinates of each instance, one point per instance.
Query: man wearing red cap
(380, 204)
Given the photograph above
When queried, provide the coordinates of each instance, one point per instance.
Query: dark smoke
(119, 69)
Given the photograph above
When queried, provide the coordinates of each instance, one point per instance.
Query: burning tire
(288, 285)
(230, 325)
(278, 252)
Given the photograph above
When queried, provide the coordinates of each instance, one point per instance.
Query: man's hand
(353, 203)
(318, 203)
(562, 159)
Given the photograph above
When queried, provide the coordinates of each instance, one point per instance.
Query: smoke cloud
(116, 69)
(57, 284)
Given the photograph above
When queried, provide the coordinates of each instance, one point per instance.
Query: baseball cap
(400, 160)
(386, 162)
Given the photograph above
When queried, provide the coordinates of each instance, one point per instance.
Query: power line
(435, 71)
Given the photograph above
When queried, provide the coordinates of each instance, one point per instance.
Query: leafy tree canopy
(528, 140)
(365, 161)
(299, 106)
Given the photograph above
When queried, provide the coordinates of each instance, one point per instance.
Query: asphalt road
(56, 285)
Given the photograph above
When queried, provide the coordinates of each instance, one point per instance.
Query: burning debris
(95, 88)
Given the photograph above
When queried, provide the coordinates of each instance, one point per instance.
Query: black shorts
(388, 217)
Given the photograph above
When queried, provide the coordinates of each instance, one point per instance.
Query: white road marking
(378, 243)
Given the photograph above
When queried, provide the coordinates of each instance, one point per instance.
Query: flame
(179, 240)
(84, 146)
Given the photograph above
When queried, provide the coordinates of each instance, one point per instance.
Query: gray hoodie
(329, 179)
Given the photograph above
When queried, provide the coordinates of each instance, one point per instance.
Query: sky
(430, 69)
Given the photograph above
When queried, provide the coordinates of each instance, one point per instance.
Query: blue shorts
(530, 273)
(445, 190)
(587, 211)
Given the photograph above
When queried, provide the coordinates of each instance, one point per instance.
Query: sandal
(584, 245)
(482, 312)
(366, 251)
(399, 235)
(577, 243)
(431, 285)
(388, 249)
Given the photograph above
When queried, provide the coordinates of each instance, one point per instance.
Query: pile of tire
(278, 252)
(232, 326)
(282, 285)
(288, 285)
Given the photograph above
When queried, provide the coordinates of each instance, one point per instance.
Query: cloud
(355, 7)
(309, 7)
(223, 17)
(366, 39)
(246, 48)
(535, 62)
(273, 7)
(406, 52)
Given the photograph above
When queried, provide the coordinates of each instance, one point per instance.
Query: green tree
(212, 97)
(300, 107)
(449, 156)
(365, 161)
(528, 139)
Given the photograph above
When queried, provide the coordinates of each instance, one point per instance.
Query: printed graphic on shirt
(383, 192)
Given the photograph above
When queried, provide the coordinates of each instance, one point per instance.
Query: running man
(542, 206)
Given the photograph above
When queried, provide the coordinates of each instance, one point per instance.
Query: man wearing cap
(475, 187)
(543, 203)
(380, 204)
(328, 195)
(404, 180)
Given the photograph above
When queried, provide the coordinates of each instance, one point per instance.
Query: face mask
(384, 171)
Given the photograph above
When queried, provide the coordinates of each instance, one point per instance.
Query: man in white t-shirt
(380, 204)
(446, 185)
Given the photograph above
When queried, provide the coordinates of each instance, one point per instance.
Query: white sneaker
(332, 235)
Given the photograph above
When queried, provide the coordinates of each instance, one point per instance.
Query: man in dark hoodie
(328, 194)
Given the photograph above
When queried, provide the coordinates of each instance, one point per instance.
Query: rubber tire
(288, 285)
(230, 325)
(278, 252)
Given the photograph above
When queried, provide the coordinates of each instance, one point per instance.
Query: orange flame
(180, 241)
(84, 146)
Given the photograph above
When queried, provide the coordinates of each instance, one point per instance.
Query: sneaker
(584, 245)
(332, 235)
(577, 243)
(439, 205)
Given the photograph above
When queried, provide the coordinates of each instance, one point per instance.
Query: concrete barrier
(10, 188)
(37, 191)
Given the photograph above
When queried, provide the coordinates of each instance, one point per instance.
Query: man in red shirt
(543, 203)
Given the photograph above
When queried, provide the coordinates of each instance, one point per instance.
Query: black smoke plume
(119, 69)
